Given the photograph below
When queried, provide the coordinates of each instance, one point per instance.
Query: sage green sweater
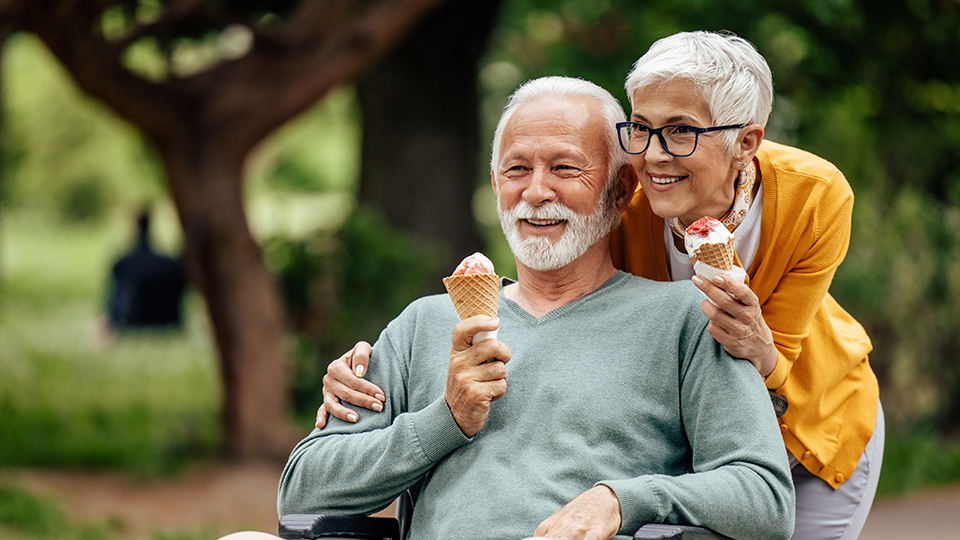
(623, 387)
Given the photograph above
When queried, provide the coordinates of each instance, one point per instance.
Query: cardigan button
(807, 454)
(784, 428)
(839, 478)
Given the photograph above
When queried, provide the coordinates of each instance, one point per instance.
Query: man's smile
(543, 222)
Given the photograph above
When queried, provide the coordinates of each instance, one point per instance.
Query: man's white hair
(566, 87)
(733, 78)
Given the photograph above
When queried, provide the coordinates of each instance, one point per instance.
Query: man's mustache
(547, 211)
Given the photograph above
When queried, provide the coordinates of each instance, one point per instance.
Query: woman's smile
(665, 180)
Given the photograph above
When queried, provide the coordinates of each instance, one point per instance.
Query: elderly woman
(700, 102)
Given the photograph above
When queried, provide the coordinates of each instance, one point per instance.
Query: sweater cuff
(778, 377)
(638, 503)
(437, 430)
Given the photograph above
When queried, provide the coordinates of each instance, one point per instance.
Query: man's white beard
(581, 232)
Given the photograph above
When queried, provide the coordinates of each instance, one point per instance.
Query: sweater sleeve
(740, 483)
(361, 468)
(820, 247)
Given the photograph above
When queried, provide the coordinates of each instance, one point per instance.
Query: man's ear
(627, 182)
(493, 181)
(748, 143)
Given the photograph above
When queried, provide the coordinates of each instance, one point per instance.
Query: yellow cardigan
(822, 367)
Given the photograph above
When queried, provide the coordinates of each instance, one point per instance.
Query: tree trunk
(3, 118)
(225, 263)
(421, 141)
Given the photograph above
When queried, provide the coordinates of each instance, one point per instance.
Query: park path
(227, 498)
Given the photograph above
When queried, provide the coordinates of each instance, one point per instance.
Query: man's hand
(344, 381)
(477, 375)
(592, 515)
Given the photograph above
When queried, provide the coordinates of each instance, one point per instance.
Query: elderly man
(572, 424)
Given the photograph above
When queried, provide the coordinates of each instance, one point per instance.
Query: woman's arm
(767, 322)
(737, 322)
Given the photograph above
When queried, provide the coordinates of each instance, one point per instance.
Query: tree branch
(67, 28)
(288, 81)
(322, 44)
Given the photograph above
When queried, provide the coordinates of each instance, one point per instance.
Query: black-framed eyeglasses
(678, 140)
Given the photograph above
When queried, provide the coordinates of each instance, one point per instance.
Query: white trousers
(824, 513)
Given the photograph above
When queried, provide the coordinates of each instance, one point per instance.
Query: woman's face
(691, 187)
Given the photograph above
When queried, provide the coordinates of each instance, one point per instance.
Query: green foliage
(901, 281)
(29, 513)
(63, 152)
(184, 535)
(343, 287)
(85, 200)
(317, 152)
(225, 31)
(28, 516)
(918, 458)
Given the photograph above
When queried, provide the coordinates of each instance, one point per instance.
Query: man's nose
(540, 189)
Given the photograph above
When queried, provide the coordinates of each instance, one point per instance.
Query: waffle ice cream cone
(474, 294)
(474, 289)
(717, 255)
(710, 246)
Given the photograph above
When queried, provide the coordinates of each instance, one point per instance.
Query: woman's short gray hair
(733, 78)
(567, 87)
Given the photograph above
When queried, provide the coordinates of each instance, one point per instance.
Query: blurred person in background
(146, 288)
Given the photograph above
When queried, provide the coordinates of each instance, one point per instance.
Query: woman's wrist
(770, 361)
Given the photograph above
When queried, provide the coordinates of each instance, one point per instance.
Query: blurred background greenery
(870, 86)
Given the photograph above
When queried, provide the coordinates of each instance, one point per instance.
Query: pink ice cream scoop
(478, 263)
(474, 289)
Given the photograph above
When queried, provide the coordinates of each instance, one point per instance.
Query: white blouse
(746, 241)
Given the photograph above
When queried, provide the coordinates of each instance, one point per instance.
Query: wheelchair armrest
(660, 531)
(331, 527)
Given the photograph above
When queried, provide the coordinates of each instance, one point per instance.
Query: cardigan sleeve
(810, 241)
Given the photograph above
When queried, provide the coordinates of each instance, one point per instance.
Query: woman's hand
(344, 381)
(737, 323)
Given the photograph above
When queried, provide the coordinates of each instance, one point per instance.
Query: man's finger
(464, 331)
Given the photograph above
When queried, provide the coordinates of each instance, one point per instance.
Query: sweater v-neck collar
(532, 320)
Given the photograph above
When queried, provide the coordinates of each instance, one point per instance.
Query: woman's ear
(627, 182)
(748, 143)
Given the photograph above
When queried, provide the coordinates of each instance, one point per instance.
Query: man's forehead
(568, 122)
(558, 106)
(544, 147)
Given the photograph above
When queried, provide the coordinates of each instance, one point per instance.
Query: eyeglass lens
(680, 140)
